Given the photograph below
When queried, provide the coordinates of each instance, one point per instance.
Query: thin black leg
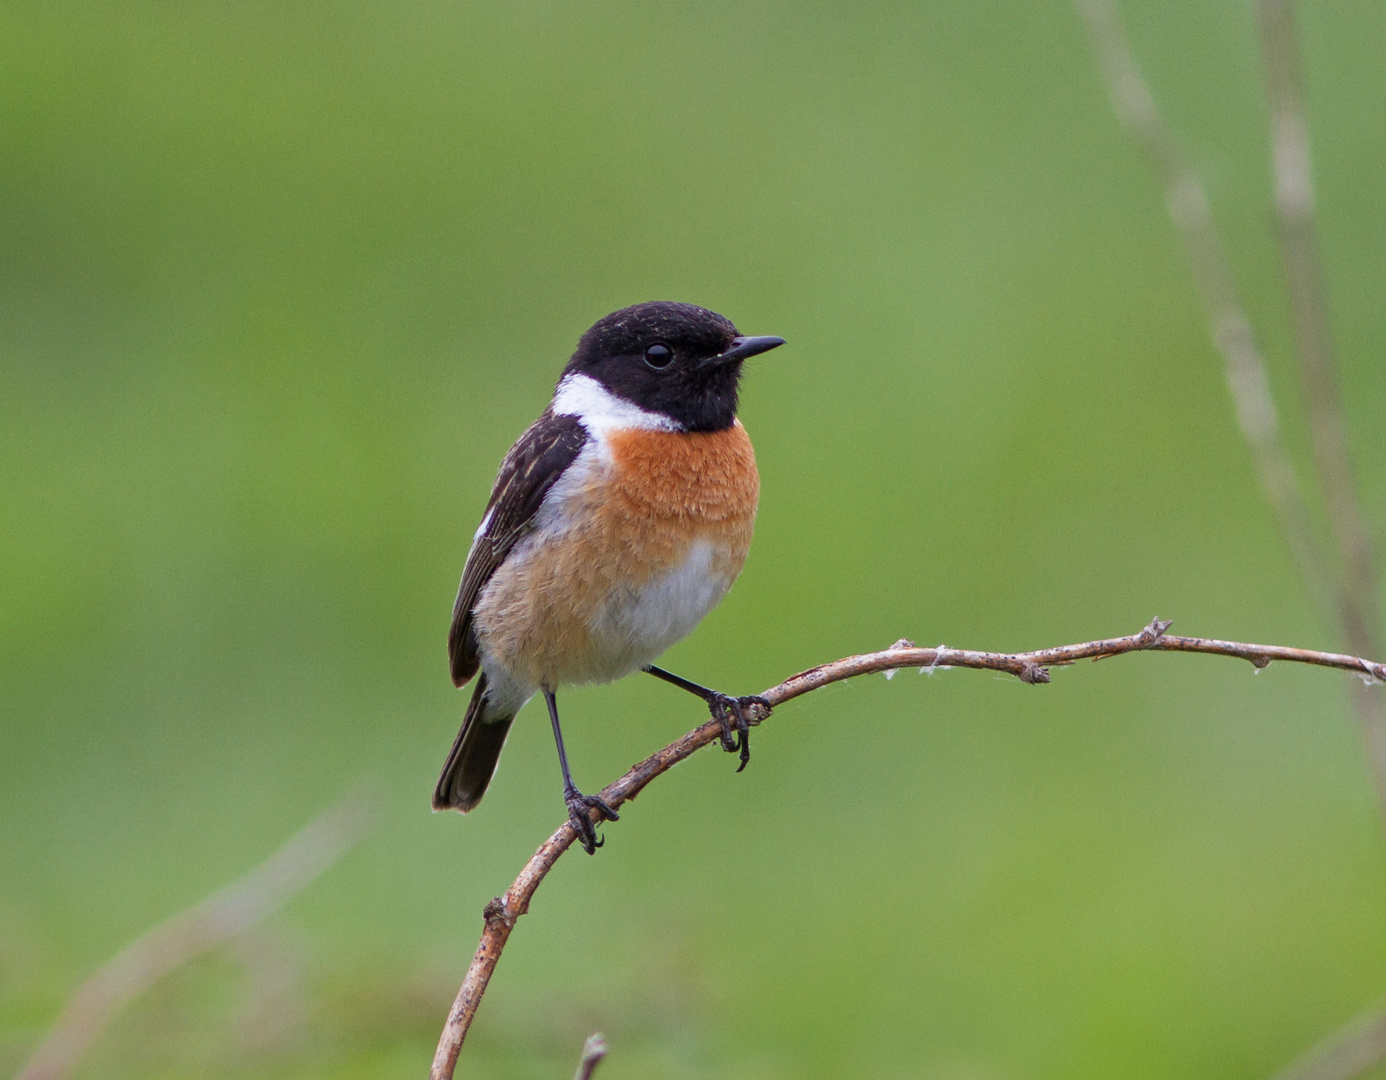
(683, 684)
(577, 803)
(733, 713)
(551, 699)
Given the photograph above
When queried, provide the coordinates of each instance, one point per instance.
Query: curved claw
(721, 709)
(587, 833)
(734, 714)
(578, 806)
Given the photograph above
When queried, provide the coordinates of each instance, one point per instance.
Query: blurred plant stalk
(1357, 592)
(1341, 579)
(1247, 379)
(209, 923)
(593, 1050)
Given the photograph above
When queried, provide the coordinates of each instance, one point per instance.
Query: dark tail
(473, 757)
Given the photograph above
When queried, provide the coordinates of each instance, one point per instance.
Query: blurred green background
(279, 284)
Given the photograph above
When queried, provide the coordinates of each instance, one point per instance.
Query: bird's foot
(578, 806)
(736, 714)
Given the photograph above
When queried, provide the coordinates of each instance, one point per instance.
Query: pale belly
(555, 615)
(636, 624)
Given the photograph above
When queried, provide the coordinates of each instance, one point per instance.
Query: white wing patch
(481, 529)
(600, 410)
(480, 532)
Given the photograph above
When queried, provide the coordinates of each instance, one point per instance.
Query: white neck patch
(600, 410)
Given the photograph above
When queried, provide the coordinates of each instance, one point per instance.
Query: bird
(617, 521)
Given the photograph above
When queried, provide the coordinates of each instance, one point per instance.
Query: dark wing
(533, 465)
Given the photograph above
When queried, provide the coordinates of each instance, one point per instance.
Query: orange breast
(670, 488)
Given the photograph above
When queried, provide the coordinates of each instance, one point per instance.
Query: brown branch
(193, 932)
(1030, 667)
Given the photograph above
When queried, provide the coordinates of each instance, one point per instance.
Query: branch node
(903, 643)
(498, 911)
(930, 668)
(1155, 631)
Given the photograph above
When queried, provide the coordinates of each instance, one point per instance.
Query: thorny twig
(1030, 667)
(193, 932)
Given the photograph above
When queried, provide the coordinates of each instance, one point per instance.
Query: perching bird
(618, 520)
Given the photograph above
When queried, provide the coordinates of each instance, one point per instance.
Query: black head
(679, 360)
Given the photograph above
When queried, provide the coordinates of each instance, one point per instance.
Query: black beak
(742, 347)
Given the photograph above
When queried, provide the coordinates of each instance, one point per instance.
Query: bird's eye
(659, 355)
